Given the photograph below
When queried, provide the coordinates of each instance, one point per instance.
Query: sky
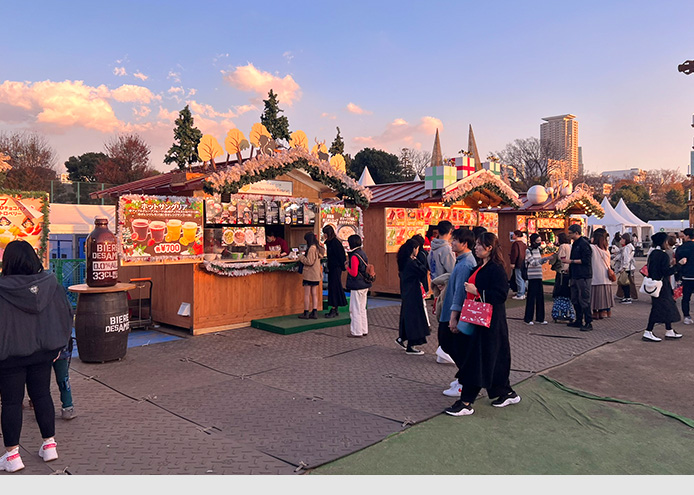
(387, 73)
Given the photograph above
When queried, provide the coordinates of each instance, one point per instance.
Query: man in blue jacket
(581, 276)
(462, 243)
(686, 250)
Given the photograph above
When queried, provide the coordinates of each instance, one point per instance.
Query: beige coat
(312, 265)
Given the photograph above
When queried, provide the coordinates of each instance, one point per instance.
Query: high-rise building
(561, 134)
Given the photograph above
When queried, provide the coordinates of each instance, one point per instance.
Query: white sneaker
(517, 297)
(671, 334)
(454, 391)
(688, 320)
(454, 383)
(442, 357)
(48, 451)
(11, 461)
(544, 323)
(531, 323)
(650, 337)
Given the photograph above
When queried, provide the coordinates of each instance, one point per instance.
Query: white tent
(612, 221)
(366, 179)
(78, 219)
(643, 229)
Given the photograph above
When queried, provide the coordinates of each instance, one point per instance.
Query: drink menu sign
(22, 218)
(160, 228)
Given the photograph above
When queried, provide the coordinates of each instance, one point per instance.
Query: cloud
(140, 76)
(288, 56)
(241, 109)
(142, 111)
(175, 90)
(209, 111)
(120, 71)
(71, 103)
(327, 115)
(176, 76)
(248, 78)
(352, 108)
(400, 133)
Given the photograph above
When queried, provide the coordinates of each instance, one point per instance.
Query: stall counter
(217, 302)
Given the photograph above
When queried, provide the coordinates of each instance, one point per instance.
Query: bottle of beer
(102, 255)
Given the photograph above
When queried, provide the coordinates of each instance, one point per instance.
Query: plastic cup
(157, 229)
(140, 228)
(173, 229)
(190, 231)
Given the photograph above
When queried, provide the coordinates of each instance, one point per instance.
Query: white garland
(240, 269)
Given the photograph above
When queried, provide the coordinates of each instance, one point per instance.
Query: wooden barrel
(102, 326)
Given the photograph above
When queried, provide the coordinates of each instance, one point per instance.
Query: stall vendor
(274, 240)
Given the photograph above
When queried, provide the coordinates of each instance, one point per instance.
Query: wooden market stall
(400, 210)
(547, 215)
(222, 276)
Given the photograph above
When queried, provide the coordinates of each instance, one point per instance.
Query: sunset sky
(387, 73)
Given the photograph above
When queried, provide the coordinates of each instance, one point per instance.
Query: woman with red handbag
(487, 352)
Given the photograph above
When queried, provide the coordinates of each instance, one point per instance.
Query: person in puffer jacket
(36, 325)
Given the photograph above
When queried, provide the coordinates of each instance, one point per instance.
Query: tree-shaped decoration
(338, 163)
(338, 146)
(235, 142)
(299, 140)
(278, 126)
(209, 149)
(4, 162)
(320, 150)
(262, 139)
(184, 152)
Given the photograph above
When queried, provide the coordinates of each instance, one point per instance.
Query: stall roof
(170, 183)
(402, 194)
(558, 202)
(78, 219)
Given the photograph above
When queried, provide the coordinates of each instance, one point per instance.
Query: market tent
(78, 219)
(643, 228)
(366, 179)
(612, 221)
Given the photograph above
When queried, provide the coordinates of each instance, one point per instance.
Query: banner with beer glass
(160, 228)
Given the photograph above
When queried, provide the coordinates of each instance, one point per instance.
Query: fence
(69, 272)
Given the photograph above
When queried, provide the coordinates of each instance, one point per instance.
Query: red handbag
(677, 293)
(476, 313)
(644, 270)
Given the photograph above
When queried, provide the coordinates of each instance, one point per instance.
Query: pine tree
(338, 146)
(276, 125)
(185, 153)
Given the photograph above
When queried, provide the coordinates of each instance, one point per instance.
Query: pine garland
(251, 268)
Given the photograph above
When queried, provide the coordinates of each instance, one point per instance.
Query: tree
(630, 193)
(384, 167)
(185, 153)
(32, 158)
(532, 162)
(414, 162)
(276, 125)
(83, 167)
(128, 160)
(338, 146)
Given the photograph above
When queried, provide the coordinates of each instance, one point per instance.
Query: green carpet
(552, 431)
(290, 324)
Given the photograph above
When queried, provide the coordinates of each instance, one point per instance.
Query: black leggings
(36, 376)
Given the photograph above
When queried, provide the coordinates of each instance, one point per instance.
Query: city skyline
(387, 81)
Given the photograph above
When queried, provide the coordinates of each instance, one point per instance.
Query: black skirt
(336, 293)
(664, 308)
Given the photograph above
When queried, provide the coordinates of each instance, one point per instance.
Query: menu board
(21, 218)
(345, 221)
(158, 228)
(522, 223)
(550, 223)
(403, 223)
(240, 211)
(532, 225)
(243, 236)
(490, 221)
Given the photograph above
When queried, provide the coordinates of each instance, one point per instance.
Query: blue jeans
(519, 282)
(62, 378)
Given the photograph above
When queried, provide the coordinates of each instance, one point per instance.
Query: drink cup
(190, 231)
(140, 228)
(157, 229)
(173, 230)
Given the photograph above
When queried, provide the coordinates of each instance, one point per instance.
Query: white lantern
(567, 189)
(550, 190)
(537, 195)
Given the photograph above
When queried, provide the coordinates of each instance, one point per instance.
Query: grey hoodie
(441, 258)
(35, 314)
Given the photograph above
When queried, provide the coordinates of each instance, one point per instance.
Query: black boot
(304, 316)
(313, 315)
(332, 313)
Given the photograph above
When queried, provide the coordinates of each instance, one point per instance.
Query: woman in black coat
(487, 362)
(414, 325)
(663, 308)
(336, 265)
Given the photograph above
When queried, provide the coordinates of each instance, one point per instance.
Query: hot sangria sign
(159, 228)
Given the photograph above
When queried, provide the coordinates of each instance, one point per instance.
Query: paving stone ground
(247, 401)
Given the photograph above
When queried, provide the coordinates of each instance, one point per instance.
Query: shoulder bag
(369, 272)
(623, 278)
(610, 272)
